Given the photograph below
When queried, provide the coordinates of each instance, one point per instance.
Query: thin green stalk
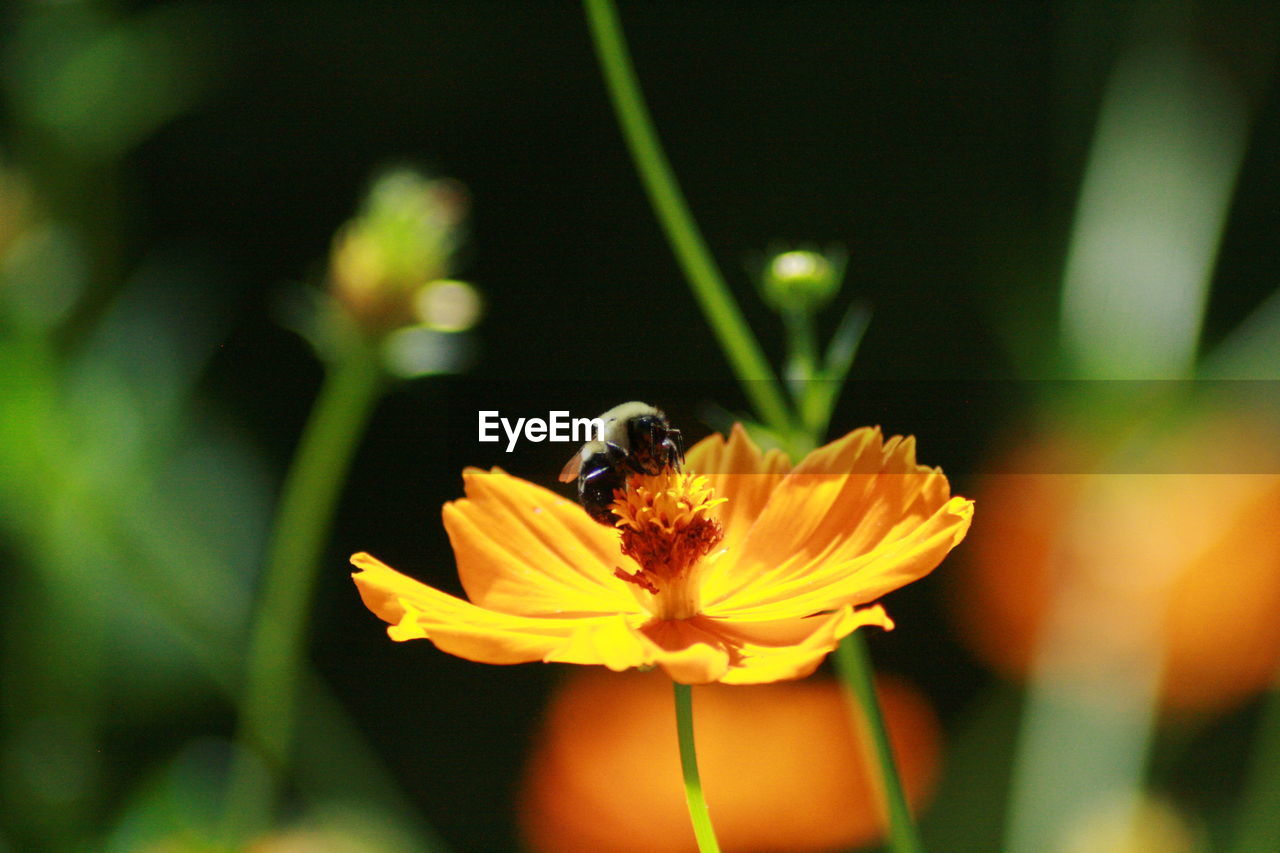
(702, 829)
(853, 662)
(802, 371)
(708, 285)
(748, 363)
(802, 340)
(277, 643)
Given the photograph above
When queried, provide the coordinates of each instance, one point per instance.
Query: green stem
(709, 288)
(802, 342)
(748, 362)
(853, 662)
(702, 829)
(276, 646)
(802, 367)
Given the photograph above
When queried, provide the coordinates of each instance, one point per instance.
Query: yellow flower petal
(687, 651)
(524, 550)
(702, 650)
(741, 474)
(893, 563)
(417, 611)
(854, 499)
(793, 648)
(776, 633)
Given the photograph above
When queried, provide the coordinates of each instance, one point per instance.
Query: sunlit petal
(739, 472)
(417, 611)
(792, 648)
(688, 652)
(525, 550)
(894, 562)
(841, 503)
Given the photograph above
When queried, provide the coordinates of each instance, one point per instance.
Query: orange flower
(743, 570)
(780, 764)
(1191, 559)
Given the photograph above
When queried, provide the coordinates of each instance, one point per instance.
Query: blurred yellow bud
(400, 244)
(448, 306)
(801, 279)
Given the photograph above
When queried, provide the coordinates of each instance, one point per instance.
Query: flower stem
(753, 371)
(802, 371)
(351, 387)
(853, 662)
(708, 285)
(702, 829)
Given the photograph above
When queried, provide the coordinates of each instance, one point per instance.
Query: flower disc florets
(667, 527)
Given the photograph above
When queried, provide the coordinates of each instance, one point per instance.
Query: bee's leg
(675, 450)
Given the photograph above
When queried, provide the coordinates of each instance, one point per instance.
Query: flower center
(667, 528)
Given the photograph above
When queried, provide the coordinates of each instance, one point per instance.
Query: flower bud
(401, 242)
(801, 279)
(448, 306)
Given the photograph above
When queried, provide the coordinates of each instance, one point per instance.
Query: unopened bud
(801, 279)
(448, 306)
(401, 242)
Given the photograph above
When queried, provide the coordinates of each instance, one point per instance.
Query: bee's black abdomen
(602, 474)
(596, 496)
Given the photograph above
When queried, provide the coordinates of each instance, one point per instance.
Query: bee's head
(655, 444)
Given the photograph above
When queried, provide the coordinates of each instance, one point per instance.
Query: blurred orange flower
(1180, 559)
(780, 766)
(743, 570)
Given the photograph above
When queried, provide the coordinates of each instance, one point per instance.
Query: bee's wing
(573, 467)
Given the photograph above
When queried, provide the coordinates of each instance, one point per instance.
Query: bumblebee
(636, 439)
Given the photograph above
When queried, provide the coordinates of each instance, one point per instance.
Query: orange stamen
(667, 527)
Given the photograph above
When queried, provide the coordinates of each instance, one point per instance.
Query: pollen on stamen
(664, 501)
(667, 526)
